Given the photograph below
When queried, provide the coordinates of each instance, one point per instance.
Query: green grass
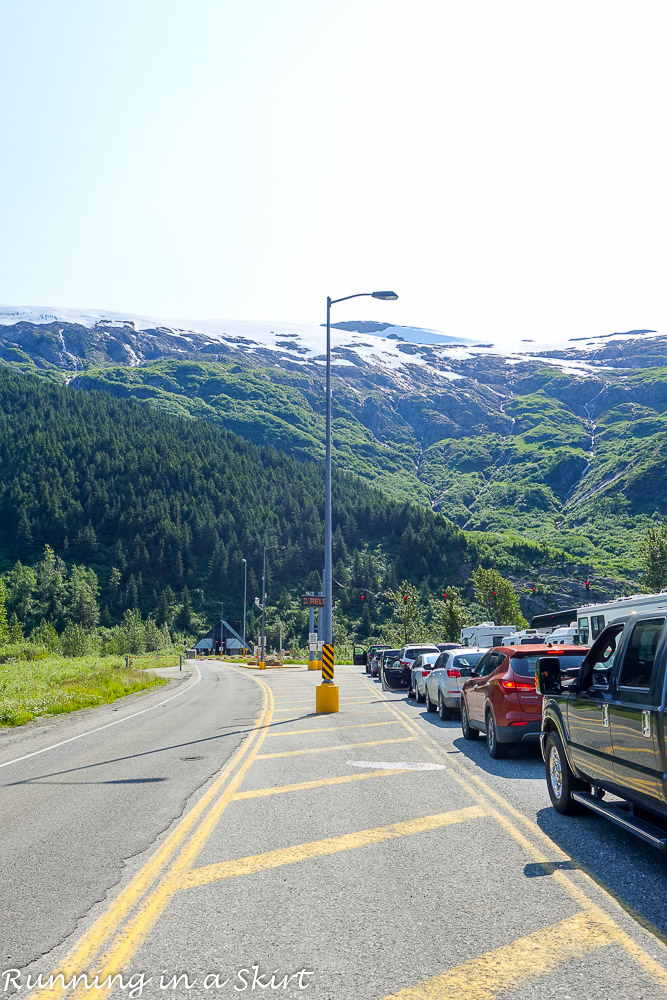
(56, 685)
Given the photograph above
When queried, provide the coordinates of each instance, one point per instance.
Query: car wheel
(468, 732)
(560, 780)
(444, 712)
(430, 707)
(496, 750)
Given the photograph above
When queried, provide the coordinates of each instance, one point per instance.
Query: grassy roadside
(56, 684)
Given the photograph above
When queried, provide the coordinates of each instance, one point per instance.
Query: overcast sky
(500, 164)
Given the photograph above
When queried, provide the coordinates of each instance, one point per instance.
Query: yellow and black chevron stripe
(327, 662)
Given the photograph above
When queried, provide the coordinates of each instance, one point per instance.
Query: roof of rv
(623, 602)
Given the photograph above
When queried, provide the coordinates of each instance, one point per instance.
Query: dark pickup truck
(603, 727)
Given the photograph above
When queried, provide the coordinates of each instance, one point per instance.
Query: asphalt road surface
(218, 838)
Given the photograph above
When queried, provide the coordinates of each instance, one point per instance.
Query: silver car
(443, 683)
(420, 670)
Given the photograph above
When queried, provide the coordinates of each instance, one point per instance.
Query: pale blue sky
(502, 165)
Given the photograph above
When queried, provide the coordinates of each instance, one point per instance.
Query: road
(366, 855)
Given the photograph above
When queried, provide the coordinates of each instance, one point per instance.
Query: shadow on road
(633, 872)
(149, 753)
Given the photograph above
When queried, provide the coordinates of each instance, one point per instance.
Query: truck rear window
(526, 665)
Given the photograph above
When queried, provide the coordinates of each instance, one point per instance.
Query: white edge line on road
(116, 722)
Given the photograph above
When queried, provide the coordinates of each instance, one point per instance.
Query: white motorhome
(526, 637)
(564, 635)
(592, 618)
(486, 634)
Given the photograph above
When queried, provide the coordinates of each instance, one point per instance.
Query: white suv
(443, 683)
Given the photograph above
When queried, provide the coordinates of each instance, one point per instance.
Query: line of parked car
(492, 689)
(598, 712)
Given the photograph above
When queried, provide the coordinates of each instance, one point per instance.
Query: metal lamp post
(245, 591)
(323, 698)
(262, 661)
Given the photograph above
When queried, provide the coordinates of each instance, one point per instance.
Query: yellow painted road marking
(86, 952)
(331, 729)
(340, 746)
(303, 704)
(511, 966)
(485, 796)
(302, 786)
(319, 848)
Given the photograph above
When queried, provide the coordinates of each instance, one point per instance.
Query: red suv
(499, 697)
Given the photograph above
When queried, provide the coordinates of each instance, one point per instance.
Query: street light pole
(262, 662)
(326, 700)
(245, 591)
(222, 615)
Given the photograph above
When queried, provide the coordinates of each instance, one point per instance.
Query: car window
(583, 631)
(469, 660)
(597, 624)
(488, 663)
(639, 658)
(601, 657)
(441, 661)
(414, 651)
(526, 665)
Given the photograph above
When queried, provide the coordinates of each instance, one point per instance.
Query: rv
(486, 634)
(527, 637)
(592, 618)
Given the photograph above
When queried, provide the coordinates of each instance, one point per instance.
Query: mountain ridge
(563, 445)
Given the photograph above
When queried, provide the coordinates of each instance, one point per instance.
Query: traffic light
(534, 590)
(405, 598)
(444, 595)
(588, 585)
(362, 597)
(495, 594)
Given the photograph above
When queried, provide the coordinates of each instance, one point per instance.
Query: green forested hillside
(164, 509)
(530, 453)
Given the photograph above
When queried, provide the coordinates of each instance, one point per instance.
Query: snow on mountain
(376, 344)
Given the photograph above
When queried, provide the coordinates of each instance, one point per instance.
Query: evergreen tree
(452, 616)
(183, 619)
(5, 633)
(653, 555)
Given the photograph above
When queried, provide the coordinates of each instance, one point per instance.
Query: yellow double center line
(125, 924)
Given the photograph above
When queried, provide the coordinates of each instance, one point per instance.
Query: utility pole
(222, 609)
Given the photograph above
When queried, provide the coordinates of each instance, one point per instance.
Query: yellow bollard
(326, 693)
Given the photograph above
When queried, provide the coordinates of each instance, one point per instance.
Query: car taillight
(425, 673)
(452, 672)
(510, 684)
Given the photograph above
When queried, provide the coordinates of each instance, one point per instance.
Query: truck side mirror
(547, 675)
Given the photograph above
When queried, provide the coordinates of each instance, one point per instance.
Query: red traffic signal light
(405, 598)
(362, 597)
(588, 585)
(534, 590)
(494, 595)
(444, 596)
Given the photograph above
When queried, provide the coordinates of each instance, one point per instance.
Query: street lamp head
(387, 296)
